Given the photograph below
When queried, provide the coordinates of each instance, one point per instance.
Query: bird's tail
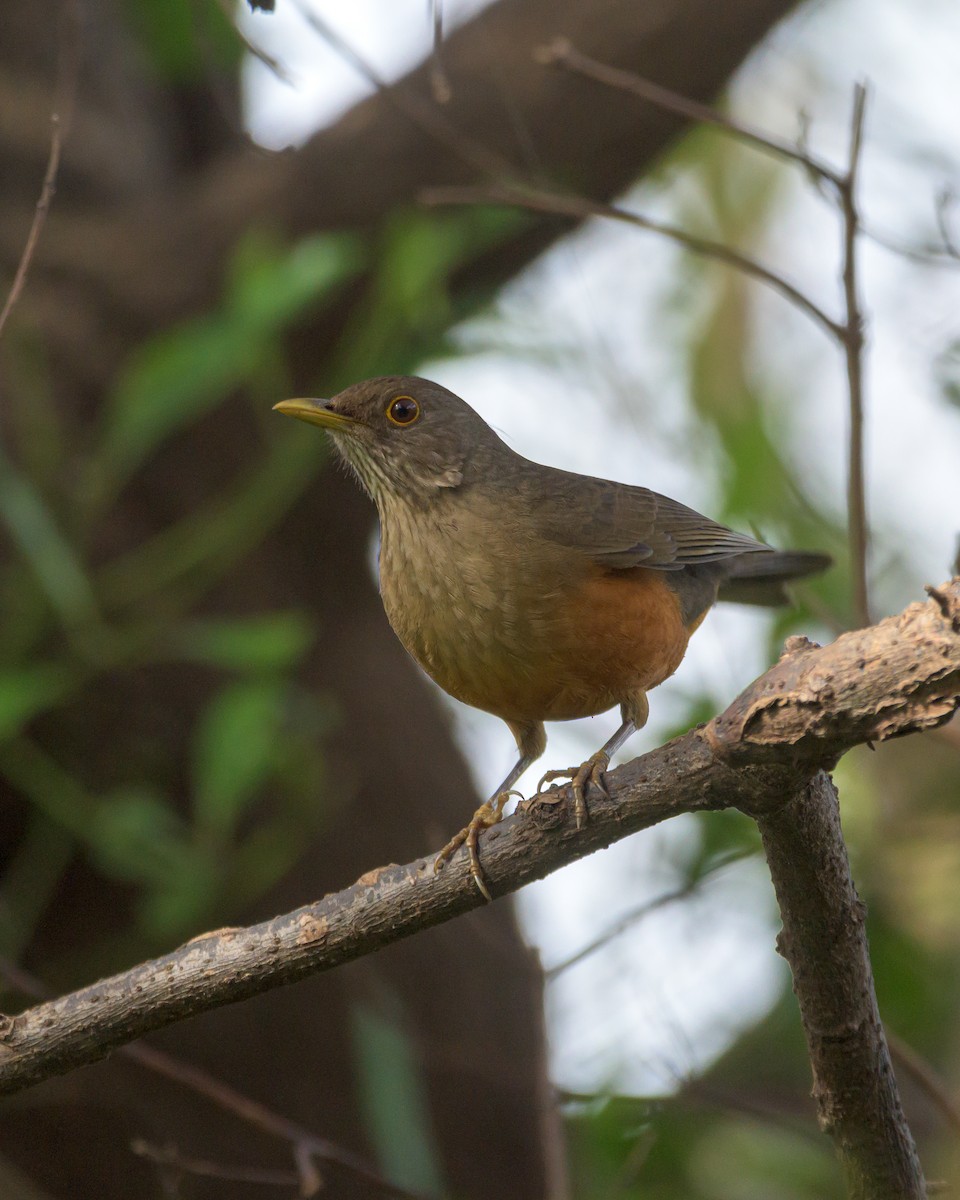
(762, 578)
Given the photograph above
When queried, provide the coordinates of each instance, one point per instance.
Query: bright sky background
(675, 989)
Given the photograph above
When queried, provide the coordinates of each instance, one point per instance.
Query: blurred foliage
(745, 1130)
(393, 1098)
(696, 1145)
(72, 620)
(184, 38)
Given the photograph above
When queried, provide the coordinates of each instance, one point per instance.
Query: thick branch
(825, 943)
(763, 755)
(870, 684)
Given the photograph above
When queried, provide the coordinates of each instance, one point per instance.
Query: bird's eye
(403, 410)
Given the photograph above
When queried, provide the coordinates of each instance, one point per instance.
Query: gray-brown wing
(621, 526)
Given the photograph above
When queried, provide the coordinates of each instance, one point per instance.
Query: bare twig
(640, 913)
(170, 1157)
(945, 201)
(927, 1079)
(580, 209)
(68, 70)
(561, 52)
(439, 83)
(39, 216)
(764, 755)
(924, 255)
(627, 921)
(848, 333)
(852, 340)
(307, 1147)
(427, 118)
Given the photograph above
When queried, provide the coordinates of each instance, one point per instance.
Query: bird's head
(403, 436)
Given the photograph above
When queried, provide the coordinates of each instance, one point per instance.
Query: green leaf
(270, 285)
(51, 557)
(195, 551)
(185, 38)
(186, 897)
(407, 311)
(27, 691)
(185, 372)
(235, 750)
(266, 643)
(134, 835)
(393, 1097)
(171, 381)
(32, 874)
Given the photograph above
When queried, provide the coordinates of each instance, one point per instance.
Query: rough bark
(858, 1102)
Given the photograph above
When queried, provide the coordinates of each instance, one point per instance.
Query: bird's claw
(589, 772)
(488, 814)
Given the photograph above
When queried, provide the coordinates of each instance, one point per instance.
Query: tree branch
(580, 208)
(68, 70)
(825, 942)
(561, 52)
(764, 755)
(852, 340)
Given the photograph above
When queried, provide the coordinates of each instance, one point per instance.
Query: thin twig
(849, 333)
(169, 1156)
(307, 1147)
(424, 116)
(945, 201)
(852, 339)
(703, 1093)
(439, 83)
(627, 921)
(944, 255)
(561, 52)
(581, 209)
(640, 913)
(926, 1078)
(68, 70)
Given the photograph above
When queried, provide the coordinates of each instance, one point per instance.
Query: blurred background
(204, 718)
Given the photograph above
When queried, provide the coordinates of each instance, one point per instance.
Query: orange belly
(624, 634)
(595, 645)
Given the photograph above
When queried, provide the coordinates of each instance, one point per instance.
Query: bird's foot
(580, 778)
(488, 814)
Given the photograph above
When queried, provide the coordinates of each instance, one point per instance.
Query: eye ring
(403, 410)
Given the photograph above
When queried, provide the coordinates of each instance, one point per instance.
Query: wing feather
(619, 526)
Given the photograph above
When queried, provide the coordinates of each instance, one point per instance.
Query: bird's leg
(531, 742)
(489, 813)
(592, 771)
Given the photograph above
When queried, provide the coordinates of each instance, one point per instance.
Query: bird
(529, 592)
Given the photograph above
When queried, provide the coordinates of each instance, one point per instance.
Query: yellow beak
(315, 412)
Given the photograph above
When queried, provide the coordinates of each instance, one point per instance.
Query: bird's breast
(520, 627)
